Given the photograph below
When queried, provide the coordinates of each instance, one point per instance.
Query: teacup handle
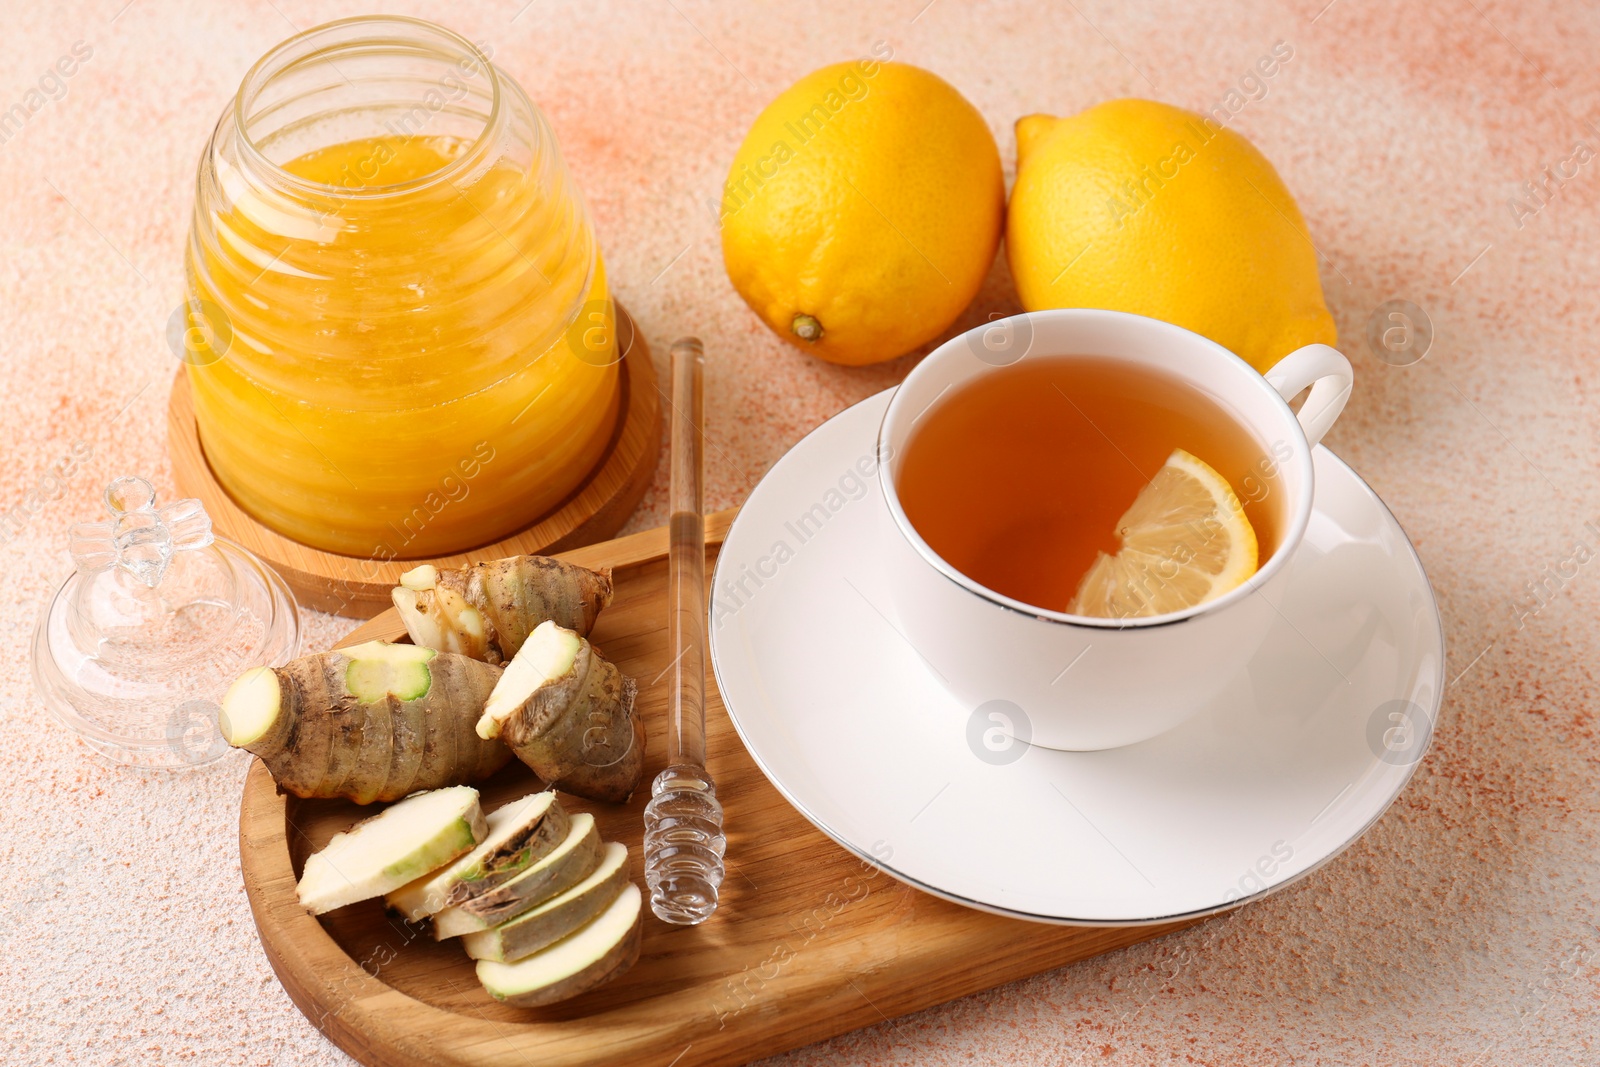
(1329, 375)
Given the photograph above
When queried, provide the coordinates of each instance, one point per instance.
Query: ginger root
(487, 610)
(568, 713)
(372, 722)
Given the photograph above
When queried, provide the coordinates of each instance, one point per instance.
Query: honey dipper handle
(683, 839)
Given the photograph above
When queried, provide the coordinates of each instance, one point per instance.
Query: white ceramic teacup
(1070, 681)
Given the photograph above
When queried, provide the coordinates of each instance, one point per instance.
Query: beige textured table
(1460, 930)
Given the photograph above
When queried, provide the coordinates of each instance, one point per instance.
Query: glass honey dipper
(683, 839)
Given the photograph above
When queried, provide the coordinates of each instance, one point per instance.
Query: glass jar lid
(139, 643)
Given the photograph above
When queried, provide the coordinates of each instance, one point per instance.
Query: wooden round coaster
(349, 585)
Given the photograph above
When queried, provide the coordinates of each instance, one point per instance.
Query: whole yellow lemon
(863, 210)
(1138, 206)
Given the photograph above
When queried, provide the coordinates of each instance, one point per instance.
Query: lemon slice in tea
(1184, 541)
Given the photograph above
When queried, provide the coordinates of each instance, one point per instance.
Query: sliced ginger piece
(594, 954)
(405, 841)
(520, 833)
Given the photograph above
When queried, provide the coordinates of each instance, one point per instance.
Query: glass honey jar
(400, 338)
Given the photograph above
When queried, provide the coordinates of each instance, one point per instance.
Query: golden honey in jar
(405, 342)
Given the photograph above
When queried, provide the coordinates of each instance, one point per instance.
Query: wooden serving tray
(809, 941)
(348, 585)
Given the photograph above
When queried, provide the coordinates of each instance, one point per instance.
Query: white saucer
(1290, 765)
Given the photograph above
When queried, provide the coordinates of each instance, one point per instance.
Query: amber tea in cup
(1017, 478)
